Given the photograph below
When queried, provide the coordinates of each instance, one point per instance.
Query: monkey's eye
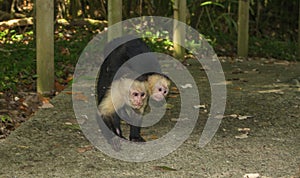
(165, 91)
(160, 89)
(142, 94)
(135, 94)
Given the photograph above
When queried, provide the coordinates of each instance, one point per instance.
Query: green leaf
(164, 168)
(5, 118)
(211, 3)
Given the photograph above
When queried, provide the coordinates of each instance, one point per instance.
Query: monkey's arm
(109, 135)
(134, 119)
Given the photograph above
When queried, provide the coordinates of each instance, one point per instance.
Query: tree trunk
(45, 45)
(75, 6)
(299, 34)
(114, 16)
(243, 28)
(178, 30)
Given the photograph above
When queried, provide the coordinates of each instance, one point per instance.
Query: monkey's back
(116, 54)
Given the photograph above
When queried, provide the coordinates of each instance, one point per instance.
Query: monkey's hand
(115, 143)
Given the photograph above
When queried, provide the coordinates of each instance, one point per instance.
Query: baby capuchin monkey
(158, 86)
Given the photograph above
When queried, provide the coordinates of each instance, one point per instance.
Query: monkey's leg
(135, 130)
(135, 134)
(109, 132)
(117, 126)
(132, 117)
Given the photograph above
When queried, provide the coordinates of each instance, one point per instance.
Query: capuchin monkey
(155, 83)
(126, 93)
(123, 93)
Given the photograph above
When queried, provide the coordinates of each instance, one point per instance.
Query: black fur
(116, 54)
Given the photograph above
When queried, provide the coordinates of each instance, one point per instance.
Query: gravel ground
(260, 133)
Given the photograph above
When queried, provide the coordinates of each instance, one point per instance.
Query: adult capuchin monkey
(123, 93)
(156, 83)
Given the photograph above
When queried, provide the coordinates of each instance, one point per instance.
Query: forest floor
(260, 133)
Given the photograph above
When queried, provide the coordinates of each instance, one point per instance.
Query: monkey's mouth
(157, 97)
(138, 106)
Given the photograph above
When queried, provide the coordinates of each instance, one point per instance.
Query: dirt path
(51, 144)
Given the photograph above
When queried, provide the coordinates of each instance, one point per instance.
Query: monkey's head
(137, 95)
(158, 87)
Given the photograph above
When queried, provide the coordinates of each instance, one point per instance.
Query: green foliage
(11, 36)
(17, 66)
(211, 3)
(225, 45)
(5, 118)
(271, 26)
(160, 42)
(18, 56)
(212, 16)
(268, 47)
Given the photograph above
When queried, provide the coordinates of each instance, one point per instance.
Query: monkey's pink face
(160, 92)
(137, 99)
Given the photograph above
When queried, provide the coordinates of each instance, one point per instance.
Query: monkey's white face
(137, 98)
(159, 92)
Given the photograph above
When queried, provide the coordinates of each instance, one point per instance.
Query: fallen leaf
(200, 106)
(244, 129)
(255, 70)
(70, 77)
(233, 115)
(174, 90)
(68, 123)
(23, 106)
(58, 86)
(173, 96)
(23, 146)
(179, 119)
(46, 105)
(286, 63)
(65, 51)
(164, 168)
(188, 85)
(238, 88)
(244, 117)
(154, 137)
(242, 136)
(278, 91)
(169, 106)
(45, 99)
(85, 148)
(222, 83)
(255, 175)
(80, 96)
